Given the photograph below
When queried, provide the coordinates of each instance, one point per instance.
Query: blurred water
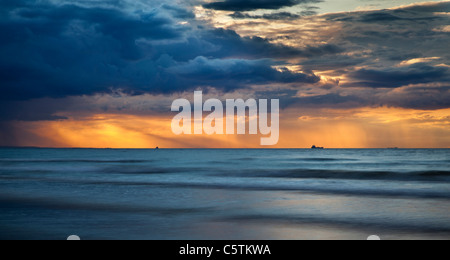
(224, 194)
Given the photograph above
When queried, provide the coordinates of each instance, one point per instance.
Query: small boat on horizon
(317, 148)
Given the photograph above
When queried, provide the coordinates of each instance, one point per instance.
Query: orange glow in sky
(361, 128)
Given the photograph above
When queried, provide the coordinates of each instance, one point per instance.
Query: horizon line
(212, 148)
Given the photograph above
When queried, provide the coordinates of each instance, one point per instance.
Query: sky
(104, 73)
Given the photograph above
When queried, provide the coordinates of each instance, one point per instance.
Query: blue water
(224, 194)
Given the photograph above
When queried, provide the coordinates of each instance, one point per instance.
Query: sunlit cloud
(418, 60)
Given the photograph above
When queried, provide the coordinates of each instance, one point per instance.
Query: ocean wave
(434, 173)
(323, 159)
(300, 188)
(71, 161)
(245, 159)
(377, 224)
(123, 169)
(7, 200)
(341, 174)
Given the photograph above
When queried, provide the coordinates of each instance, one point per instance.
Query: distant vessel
(318, 148)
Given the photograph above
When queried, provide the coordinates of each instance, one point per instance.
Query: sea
(224, 194)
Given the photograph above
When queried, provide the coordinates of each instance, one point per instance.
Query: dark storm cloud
(427, 97)
(251, 5)
(274, 16)
(420, 96)
(231, 73)
(66, 50)
(179, 12)
(333, 100)
(392, 78)
(383, 17)
(30, 111)
(62, 22)
(221, 43)
(423, 97)
(415, 13)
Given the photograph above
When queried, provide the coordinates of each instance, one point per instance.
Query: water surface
(224, 194)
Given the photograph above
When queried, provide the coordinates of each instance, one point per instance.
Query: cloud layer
(58, 50)
(252, 5)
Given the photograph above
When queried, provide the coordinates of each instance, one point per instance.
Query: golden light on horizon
(361, 128)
